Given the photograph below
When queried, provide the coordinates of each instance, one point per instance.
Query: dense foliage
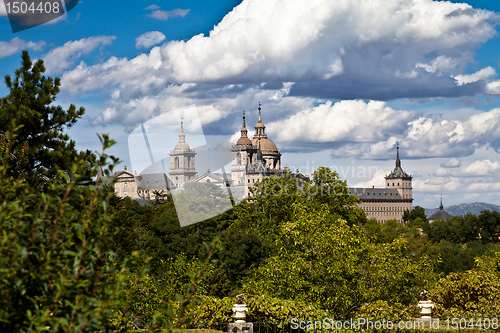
(40, 148)
(74, 257)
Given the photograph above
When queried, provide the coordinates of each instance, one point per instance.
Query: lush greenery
(74, 257)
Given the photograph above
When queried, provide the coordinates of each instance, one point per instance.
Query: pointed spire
(260, 118)
(260, 128)
(259, 153)
(182, 136)
(244, 132)
(441, 207)
(398, 161)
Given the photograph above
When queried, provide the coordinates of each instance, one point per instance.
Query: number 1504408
(481, 323)
(30, 7)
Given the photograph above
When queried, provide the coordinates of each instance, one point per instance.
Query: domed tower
(400, 180)
(240, 154)
(270, 153)
(182, 161)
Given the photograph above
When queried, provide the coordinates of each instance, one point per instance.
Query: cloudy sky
(340, 81)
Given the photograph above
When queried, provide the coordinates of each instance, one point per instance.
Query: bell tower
(241, 155)
(400, 180)
(182, 161)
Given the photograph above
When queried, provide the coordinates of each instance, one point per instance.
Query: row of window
(404, 184)
(396, 209)
(176, 162)
(385, 213)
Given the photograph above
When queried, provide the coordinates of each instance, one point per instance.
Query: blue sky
(340, 82)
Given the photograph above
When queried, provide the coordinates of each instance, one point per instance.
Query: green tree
(40, 147)
(489, 226)
(271, 199)
(56, 267)
(200, 201)
(457, 229)
(321, 259)
(416, 212)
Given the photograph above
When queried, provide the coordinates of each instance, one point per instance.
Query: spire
(441, 207)
(260, 118)
(259, 153)
(182, 136)
(260, 128)
(398, 161)
(244, 127)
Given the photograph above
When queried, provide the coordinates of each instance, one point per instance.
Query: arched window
(238, 158)
(208, 180)
(176, 163)
(188, 162)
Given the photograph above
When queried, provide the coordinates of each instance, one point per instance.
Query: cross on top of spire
(398, 161)
(182, 136)
(260, 117)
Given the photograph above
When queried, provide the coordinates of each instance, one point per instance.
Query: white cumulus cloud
(63, 57)
(483, 74)
(378, 180)
(344, 121)
(330, 49)
(452, 163)
(166, 14)
(149, 39)
(426, 137)
(16, 45)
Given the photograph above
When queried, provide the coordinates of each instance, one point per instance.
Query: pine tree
(29, 111)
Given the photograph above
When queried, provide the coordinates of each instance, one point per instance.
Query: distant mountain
(464, 208)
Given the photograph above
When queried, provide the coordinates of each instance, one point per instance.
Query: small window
(208, 180)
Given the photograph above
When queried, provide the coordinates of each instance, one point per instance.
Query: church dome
(260, 137)
(244, 142)
(181, 145)
(266, 145)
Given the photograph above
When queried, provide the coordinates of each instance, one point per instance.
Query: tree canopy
(40, 148)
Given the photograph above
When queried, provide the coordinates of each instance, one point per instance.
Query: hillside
(464, 208)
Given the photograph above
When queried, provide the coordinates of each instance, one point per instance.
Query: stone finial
(240, 299)
(425, 305)
(240, 309)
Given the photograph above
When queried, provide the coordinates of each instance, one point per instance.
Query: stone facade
(253, 160)
(384, 204)
(182, 161)
(129, 184)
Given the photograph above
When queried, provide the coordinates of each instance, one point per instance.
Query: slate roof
(440, 215)
(398, 173)
(153, 180)
(219, 177)
(376, 193)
